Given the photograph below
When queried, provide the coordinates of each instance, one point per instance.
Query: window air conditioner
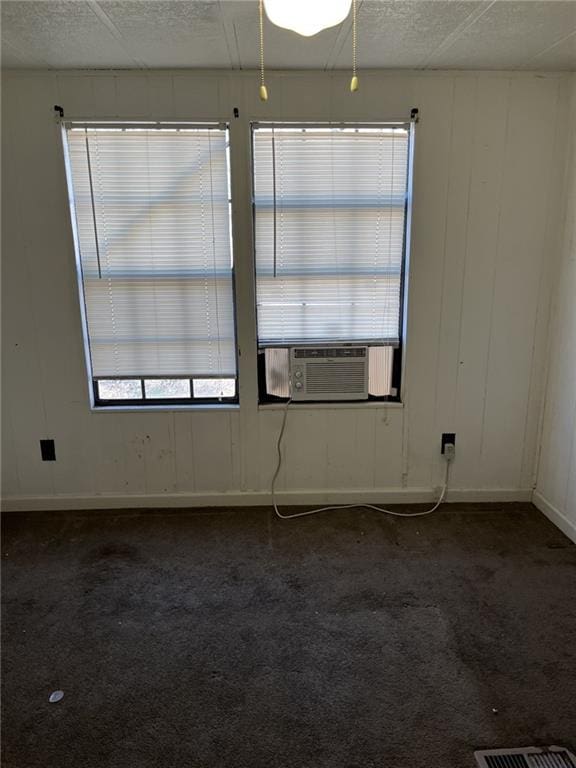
(329, 373)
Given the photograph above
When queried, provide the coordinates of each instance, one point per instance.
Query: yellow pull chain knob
(263, 91)
(354, 81)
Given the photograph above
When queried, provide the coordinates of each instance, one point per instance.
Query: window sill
(227, 407)
(156, 408)
(336, 406)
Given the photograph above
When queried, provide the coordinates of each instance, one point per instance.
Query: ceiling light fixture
(307, 18)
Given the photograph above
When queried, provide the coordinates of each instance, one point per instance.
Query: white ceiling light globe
(307, 17)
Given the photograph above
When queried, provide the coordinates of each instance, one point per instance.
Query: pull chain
(263, 91)
(354, 81)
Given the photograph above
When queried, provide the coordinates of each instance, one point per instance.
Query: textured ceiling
(432, 34)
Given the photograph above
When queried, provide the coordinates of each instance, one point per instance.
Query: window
(330, 212)
(151, 214)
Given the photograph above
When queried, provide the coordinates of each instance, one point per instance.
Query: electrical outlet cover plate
(47, 450)
(447, 438)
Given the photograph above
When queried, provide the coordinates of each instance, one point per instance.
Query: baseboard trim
(554, 515)
(259, 498)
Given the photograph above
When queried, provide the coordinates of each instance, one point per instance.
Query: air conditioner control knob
(298, 374)
(298, 385)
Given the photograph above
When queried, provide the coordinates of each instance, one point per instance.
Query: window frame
(399, 357)
(150, 402)
(146, 404)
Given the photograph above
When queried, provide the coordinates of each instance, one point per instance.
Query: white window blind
(152, 217)
(330, 209)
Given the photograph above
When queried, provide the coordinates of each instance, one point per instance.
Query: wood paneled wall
(556, 487)
(489, 155)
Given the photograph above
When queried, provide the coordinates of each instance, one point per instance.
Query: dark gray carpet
(230, 639)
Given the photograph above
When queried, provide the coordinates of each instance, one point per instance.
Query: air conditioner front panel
(329, 373)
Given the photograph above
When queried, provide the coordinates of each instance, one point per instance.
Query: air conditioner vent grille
(335, 377)
(530, 757)
(506, 761)
(550, 760)
(331, 352)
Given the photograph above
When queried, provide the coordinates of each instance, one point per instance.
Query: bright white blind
(153, 229)
(330, 207)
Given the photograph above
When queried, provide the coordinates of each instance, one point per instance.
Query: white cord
(343, 506)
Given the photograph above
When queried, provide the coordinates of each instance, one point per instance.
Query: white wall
(490, 147)
(556, 487)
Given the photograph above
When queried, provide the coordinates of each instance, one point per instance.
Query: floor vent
(530, 757)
